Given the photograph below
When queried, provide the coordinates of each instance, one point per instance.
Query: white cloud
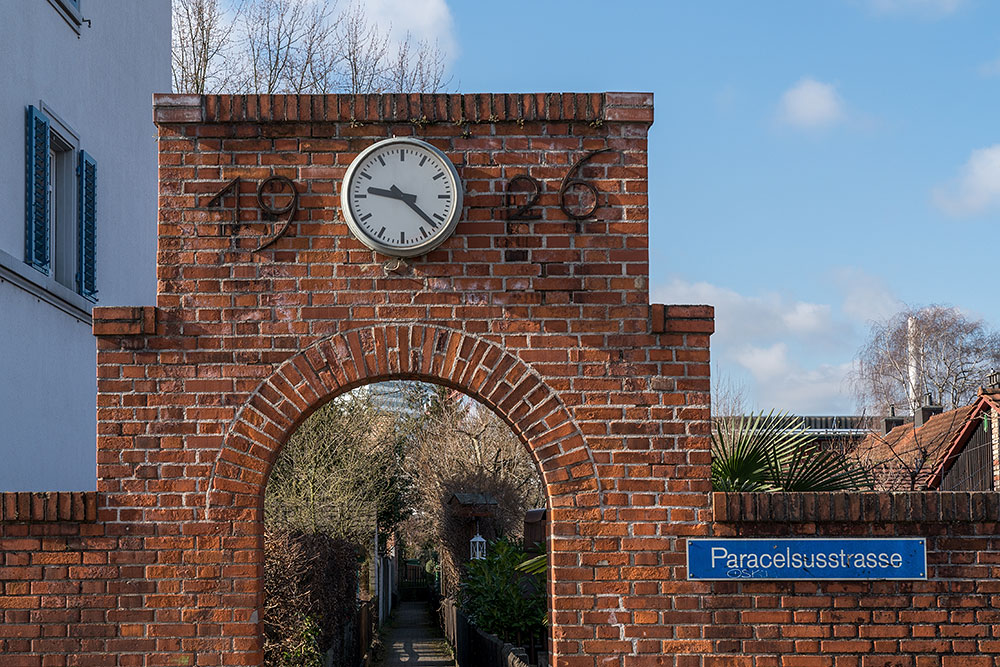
(977, 187)
(924, 7)
(866, 297)
(765, 363)
(428, 20)
(806, 318)
(781, 384)
(794, 355)
(742, 319)
(991, 68)
(811, 104)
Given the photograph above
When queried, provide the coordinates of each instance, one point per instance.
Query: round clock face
(401, 197)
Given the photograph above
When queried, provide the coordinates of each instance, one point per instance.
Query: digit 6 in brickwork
(573, 183)
(525, 212)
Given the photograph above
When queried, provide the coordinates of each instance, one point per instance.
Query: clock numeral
(523, 212)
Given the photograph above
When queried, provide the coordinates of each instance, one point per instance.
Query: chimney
(926, 411)
(914, 364)
(892, 421)
(993, 383)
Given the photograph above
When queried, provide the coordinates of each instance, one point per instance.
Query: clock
(401, 197)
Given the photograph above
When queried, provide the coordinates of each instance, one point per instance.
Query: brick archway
(304, 382)
(541, 316)
(344, 361)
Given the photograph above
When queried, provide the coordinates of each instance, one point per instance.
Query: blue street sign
(726, 559)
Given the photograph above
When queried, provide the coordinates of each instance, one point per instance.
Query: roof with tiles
(906, 457)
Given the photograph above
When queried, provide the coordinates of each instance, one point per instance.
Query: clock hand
(405, 197)
(418, 211)
(408, 198)
(385, 193)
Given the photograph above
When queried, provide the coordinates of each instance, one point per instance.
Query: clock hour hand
(385, 193)
(405, 197)
(393, 193)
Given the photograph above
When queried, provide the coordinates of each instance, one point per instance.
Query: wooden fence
(475, 648)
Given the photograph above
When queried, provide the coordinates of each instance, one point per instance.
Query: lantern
(477, 547)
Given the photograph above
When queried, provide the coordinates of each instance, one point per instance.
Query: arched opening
(234, 495)
(404, 500)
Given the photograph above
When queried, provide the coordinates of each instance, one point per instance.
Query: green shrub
(498, 597)
(775, 452)
(302, 649)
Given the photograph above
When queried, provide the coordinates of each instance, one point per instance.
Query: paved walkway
(415, 639)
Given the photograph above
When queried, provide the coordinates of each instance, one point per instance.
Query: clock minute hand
(416, 209)
(405, 197)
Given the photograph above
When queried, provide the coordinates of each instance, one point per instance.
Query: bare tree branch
(935, 350)
(202, 38)
(296, 47)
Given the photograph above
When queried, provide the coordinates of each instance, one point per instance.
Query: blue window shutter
(36, 181)
(86, 214)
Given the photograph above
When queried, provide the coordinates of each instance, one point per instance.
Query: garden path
(415, 639)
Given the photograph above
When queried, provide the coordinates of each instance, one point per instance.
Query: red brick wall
(547, 321)
(949, 620)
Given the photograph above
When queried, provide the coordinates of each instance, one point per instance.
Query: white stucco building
(78, 224)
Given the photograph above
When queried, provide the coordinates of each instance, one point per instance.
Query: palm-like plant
(775, 452)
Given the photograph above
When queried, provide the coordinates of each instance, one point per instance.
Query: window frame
(64, 143)
(59, 286)
(70, 11)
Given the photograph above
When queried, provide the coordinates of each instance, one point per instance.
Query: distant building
(79, 224)
(391, 396)
(837, 431)
(955, 450)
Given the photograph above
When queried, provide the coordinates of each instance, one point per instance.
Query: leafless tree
(340, 472)
(288, 47)
(298, 47)
(460, 446)
(730, 401)
(417, 66)
(202, 37)
(363, 50)
(933, 350)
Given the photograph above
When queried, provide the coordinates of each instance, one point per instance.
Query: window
(70, 11)
(60, 237)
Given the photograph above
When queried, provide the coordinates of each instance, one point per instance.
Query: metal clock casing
(401, 197)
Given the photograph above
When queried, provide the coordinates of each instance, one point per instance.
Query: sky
(814, 166)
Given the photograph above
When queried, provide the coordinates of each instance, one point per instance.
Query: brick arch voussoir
(343, 361)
